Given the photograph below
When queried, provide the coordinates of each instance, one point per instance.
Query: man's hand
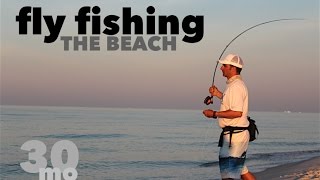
(213, 90)
(209, 113)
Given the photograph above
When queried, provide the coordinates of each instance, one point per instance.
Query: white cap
(232, 59)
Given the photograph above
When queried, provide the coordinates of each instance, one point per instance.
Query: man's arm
(229, 114)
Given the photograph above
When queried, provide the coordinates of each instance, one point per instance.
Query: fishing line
(208, 100)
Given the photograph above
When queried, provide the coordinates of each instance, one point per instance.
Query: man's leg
(232, 159)
(230, 167)
(248, 176)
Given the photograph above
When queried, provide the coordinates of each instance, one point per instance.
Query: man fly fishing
(233, 113)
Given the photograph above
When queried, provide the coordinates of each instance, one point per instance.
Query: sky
(281, 59)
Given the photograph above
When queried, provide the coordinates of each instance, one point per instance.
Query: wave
(278, 155)
(7, 169)
(271, 156)
(284, 143)
(137, 164)
(83, 136)
(209, 164)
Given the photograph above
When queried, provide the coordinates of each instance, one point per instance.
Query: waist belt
(230, 130)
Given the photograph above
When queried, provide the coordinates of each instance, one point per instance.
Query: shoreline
(303, 170)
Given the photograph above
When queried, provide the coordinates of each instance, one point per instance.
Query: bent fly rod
(208, 100)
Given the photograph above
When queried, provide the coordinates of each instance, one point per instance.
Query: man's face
(226, 70)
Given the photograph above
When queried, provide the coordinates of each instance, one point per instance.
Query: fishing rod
(208, 99)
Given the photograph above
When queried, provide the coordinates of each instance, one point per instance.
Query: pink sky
(281, 62)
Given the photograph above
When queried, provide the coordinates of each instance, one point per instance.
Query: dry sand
(304, 170)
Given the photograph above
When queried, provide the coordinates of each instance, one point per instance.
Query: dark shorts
(231, 167)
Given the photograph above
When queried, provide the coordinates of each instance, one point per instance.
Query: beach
(303, 170)
(122, 143)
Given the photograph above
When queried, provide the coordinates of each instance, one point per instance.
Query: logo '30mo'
(37, 150)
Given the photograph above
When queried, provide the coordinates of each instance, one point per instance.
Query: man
(233, 113)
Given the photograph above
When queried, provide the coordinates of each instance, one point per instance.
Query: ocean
(130, 143)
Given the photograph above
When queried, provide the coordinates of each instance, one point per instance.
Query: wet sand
(304, 170)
